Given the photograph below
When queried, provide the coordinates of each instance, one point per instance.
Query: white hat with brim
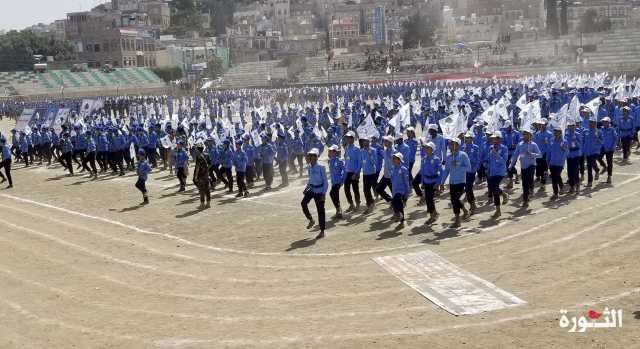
(398, 155)
(313, 151)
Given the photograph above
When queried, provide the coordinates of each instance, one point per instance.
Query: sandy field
(83, 266)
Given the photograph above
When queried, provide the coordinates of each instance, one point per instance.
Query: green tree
(215, 68)
(417, 30)
(18, 47)
(590, 22)
(564, 25)
(552, 17)
(169, 73)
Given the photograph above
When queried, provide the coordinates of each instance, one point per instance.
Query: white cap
(364, 138)
(334, 147)
(455, 140)
(410, 129)
(507, 123)
(429, 145)
(606, 119)
(469, 134)
(314, 151)
(388, 139)
(433, 127)
(200, 143)
(398, 155)
(497, 134)
(350, 134)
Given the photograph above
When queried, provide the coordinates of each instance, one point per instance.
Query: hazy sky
(18, 14)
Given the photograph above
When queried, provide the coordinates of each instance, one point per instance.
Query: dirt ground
(83, 266)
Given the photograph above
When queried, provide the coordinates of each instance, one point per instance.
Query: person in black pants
(5, 156)
(316, 190)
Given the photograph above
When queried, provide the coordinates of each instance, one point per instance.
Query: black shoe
(321, 235)
(311, 224)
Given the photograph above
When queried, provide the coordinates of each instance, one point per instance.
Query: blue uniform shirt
(352, 159)
(282, 151)
(591, 142)
(143, 170)
(267, 153)
(473, 152)
(181, 157)
(558, 151)
(369, 159)
(626, 127)
(336, 170)
(6, 152)
(456, 166)
(317, 179)
(240, 161)
(400, 182)
(412, 143)
(388, 155)
(609, 138)
(431, 169)
(226, 158)
(527, 153)
(574, 142)
(497, 160)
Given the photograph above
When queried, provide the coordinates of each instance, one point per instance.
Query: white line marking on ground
(314, 316)
(256, 253)
(102, 255)
(573, 235)
(179, 342)
(544, 225)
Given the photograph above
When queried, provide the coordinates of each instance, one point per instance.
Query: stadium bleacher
(53, 81)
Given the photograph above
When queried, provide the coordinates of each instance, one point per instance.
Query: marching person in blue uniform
(511, 139)
(226, 162)
(201, 176)
(369, 159)
(591, 147)
(181, 160)
(250, 151)
(67, 153)
(387, 162)
(430, 178)
(282, 156)
(496, 164)
(5, 163)
(626, 129)
(353, 165)
(90, 156)
(267, 153)
(609, 142)
(315, 190)
(336, 172)
(573, 138)
(400, 186)
(527, 152)
(556, 157)
(143, 171)
(456, 167)
(473, 152)
(542, 138)
(240, 161)
(412, 143)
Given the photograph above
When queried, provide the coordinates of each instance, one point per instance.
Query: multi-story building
(102, 36)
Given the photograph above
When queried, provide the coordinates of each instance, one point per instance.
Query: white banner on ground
(451, 288)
